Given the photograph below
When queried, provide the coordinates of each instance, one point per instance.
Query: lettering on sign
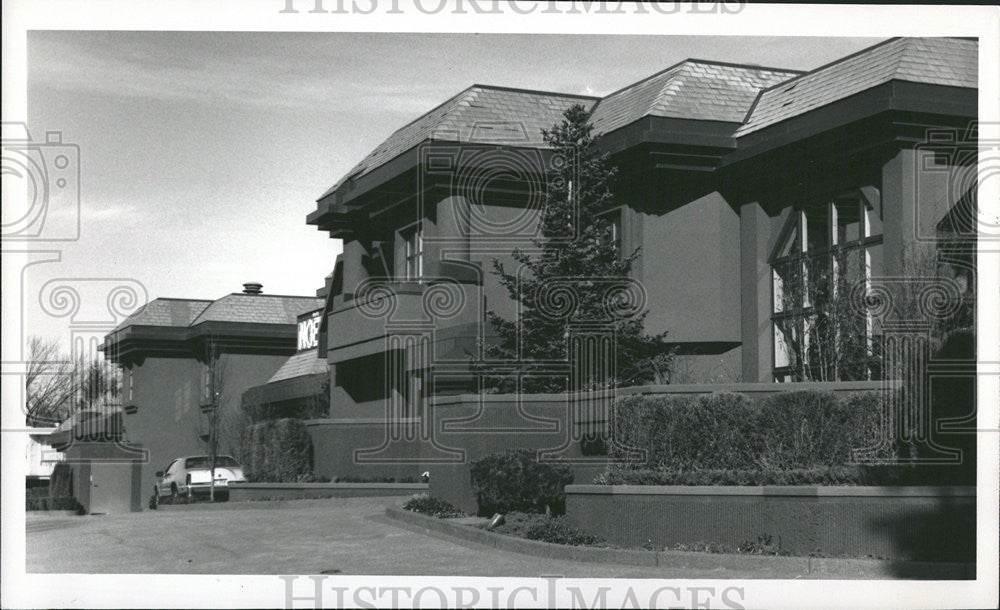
(309, 331)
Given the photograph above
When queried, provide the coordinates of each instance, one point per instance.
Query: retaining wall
(912, 523)
(242, 492)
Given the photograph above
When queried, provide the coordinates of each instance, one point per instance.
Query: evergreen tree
(575, 243)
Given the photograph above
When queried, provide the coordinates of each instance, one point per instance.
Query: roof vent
(252, 288)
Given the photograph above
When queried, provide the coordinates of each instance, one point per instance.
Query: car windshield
(223, 461)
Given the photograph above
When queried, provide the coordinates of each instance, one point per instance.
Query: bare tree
(48, 383)
(216, 400)
(836, 337)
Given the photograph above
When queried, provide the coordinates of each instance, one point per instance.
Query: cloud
(160, 68)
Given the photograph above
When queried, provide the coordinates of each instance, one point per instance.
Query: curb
(848, 567)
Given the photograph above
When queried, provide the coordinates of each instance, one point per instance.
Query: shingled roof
(480, 114)
(166, 312)
(258, 308)
(302, 363)
(692, 89)
(936, 61)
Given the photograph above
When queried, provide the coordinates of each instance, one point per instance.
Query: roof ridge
(431, 111)
(283, 296)
(695, 60)
(179, 299)
(827, 65)
(535, 91)
(730, 64)
(907, 46)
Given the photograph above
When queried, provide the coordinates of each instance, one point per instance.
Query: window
(131, 385)
(613, 233)
(826, 250)
(413, 252)
(206, 385)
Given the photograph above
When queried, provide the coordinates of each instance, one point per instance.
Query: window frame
(406, 235)
(800, 311)
(616, 217)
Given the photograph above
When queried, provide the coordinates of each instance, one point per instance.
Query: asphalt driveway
(332, 536)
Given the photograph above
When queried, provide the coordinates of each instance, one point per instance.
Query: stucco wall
(168, 418)
(690, 267)
(921, 523)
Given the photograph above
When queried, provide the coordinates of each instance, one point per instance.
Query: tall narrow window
(826, 250)
(413, 252)
(206, 385)
(613, 233)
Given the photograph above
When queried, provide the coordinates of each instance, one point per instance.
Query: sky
(201, 153)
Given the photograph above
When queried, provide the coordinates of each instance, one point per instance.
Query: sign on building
(309, 329)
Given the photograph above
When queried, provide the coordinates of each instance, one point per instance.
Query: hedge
(277, 451)
(515, 481)
(832, 475)
(801, 430)
(58, 495)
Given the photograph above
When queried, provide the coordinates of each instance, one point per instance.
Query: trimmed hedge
(833, 475)
(515, 481)
(785, 431)
(277, 451)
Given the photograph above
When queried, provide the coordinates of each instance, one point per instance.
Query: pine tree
(575, 242)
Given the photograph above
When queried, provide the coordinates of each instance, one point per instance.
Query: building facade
(182, 358)
(761, 200)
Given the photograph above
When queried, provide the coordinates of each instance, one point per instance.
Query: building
(181, 357)
(752, 193)
(746, 188)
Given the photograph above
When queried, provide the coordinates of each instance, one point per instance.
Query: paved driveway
(334, 536)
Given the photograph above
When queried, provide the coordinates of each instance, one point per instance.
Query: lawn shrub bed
(516, 481)
(546, 528)
(277, 451)
(435, 507)
(786, 438)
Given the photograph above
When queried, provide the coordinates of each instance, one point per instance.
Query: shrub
(685, 432)
(730, 432)
(277, 451)
(425, 504)
(515, 481)
(547, 529)
(61, 481)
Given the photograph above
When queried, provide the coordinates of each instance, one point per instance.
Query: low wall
(912, 523)
(242, 492)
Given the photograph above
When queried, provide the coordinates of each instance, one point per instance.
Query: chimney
(252, 288)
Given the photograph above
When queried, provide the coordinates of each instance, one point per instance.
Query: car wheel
(174, 495)
(154, 502)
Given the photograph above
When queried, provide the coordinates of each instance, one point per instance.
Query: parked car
(187, 477)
